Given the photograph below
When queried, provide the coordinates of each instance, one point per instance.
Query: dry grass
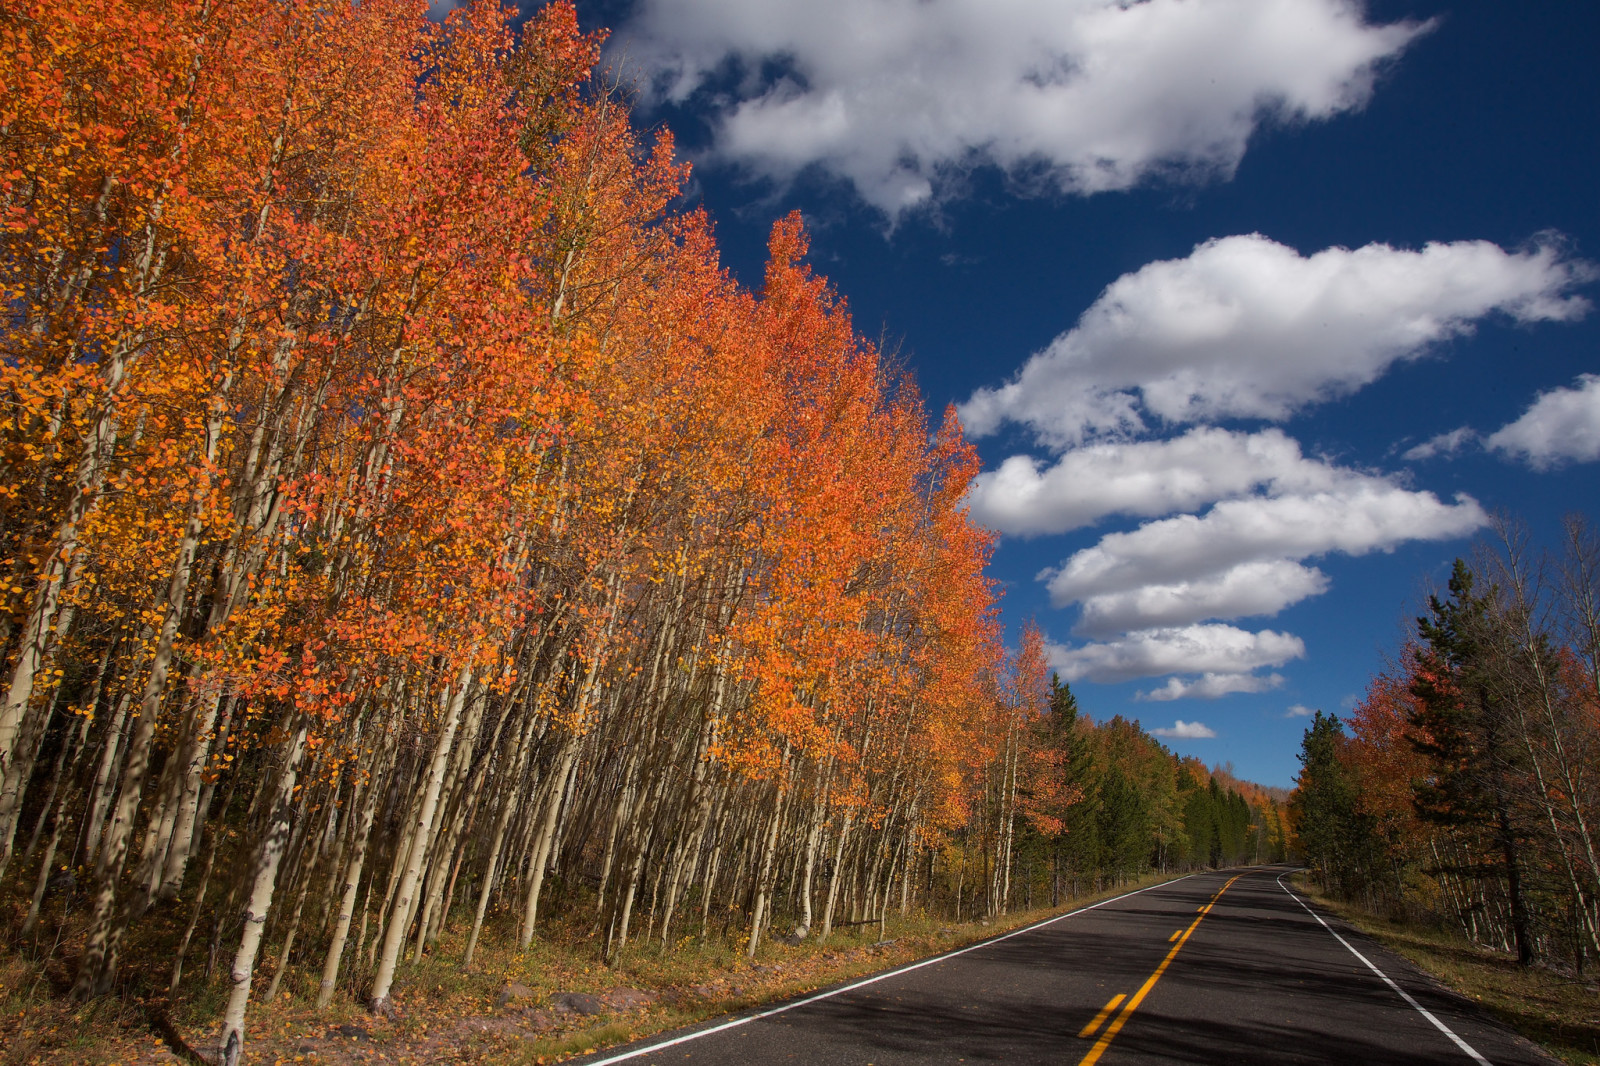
(1552, 1009)
(447, 1014)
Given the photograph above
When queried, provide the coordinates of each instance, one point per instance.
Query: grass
(446, 1013)
(1549, 1008)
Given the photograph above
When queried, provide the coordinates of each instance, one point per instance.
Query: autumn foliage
(403, 507)
(408, 526)
(1463, 789)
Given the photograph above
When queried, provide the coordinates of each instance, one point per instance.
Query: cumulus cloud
(1560, 425)
(1445, 444)
(1088, 95)
(1298, 710)
(1027, 497)
(1362, 515)
(1245, 327)
(1196, 649)
(1210, 687)
(1181, 730)
(1262, 587)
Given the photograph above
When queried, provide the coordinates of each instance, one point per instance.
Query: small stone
(514, 993)
(627, 998)
(354, 1032)
(539, 1018)
(576, 1003)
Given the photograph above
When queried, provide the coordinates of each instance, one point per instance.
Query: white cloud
(1196, 649)
(1562, 424)
(1262, 587)
(1210, 687)
(1181, 730)
(1087, 95)
(1362, 515)
(1298, 710)
(1248, 328)
(1144, 478)
(1445, 444)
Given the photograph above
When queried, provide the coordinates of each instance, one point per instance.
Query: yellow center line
(1099, 1019)
(1176, 933)
(1144, 990)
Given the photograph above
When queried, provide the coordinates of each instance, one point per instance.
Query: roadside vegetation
(513, 1007)
(422, 564)
(1547, 1007)
(1455, 813)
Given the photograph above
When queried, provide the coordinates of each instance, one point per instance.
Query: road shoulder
(1552, 1013)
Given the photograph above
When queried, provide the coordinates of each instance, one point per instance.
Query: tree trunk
(230, 1041)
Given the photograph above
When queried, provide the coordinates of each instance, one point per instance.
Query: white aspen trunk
(102, 791)
(18, 768)
(541, 847)
(288, 938)
(905, 874)
(38, 631)
(394, 935)
(74, 744)
(502, 823)
(99, 955)
(1012, 746)
(183, 833)
(700, 799)
(838, 874)
(347, 900)
(16, 779)
(230, 1041)
(764, 874)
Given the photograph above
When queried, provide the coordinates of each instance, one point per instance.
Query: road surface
(1226, 967)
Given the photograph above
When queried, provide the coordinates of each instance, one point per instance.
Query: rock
(353, 1032)
(514, 993)
(539, 1018)
(576, 1003)
(627, 998)
(703, 991)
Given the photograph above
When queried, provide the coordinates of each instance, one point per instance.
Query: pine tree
(1463, 729)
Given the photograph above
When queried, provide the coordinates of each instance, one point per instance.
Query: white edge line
(1437, 1024)
(697, 1034)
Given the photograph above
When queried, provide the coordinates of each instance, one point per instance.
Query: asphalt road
(1222, 967)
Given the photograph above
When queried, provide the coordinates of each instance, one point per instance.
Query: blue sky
(1256, 308)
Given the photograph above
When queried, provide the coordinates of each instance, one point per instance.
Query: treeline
(1465, 788)
(405, 512)
(409, 527)
(1107, 802)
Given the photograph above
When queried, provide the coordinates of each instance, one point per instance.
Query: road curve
(1220, 967)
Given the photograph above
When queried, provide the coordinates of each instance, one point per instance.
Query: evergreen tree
(1332, 832)
(1078, 846)
(1462, 727)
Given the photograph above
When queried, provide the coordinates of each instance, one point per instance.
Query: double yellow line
(1144, 990)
